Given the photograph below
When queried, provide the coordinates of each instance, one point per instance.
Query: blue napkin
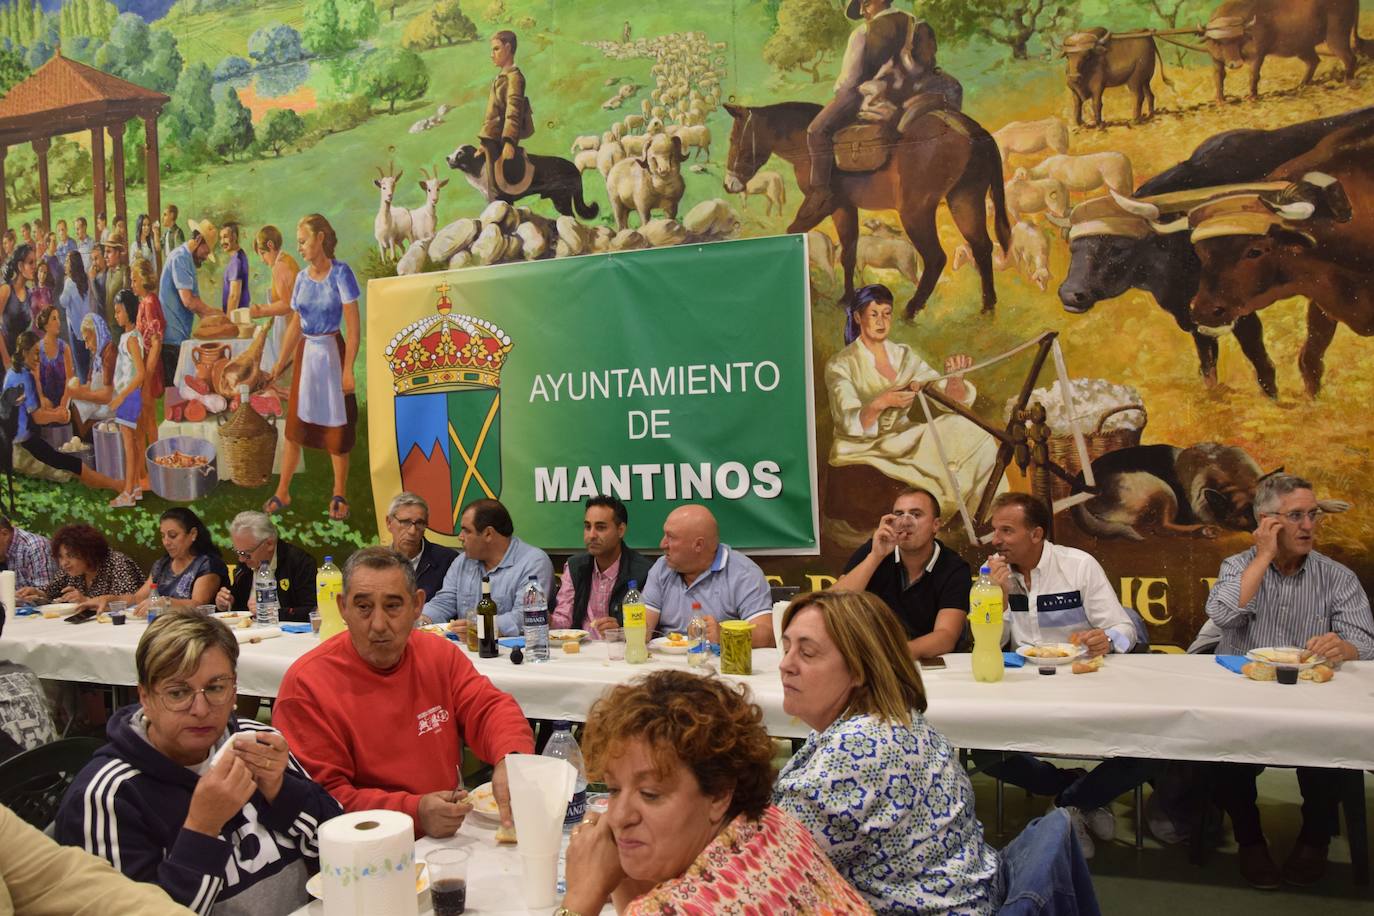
(1013, 660)
(27, 610)
(1231, 663)
(512, 642)
(295, 628)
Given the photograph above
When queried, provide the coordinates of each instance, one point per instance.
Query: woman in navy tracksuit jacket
(136, 803)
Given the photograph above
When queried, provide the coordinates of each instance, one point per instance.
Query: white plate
(484, 803)
(1285, 655)
(664, 645)
(315, 886)
(58, 609)
(1074, 654)
(566, 635)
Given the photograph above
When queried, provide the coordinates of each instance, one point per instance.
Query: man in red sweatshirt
(379, 715)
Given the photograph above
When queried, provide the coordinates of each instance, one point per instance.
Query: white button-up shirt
(1068, 592)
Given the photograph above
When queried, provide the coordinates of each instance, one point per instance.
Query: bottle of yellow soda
(985, 619)
(636, 650)
(328, 588)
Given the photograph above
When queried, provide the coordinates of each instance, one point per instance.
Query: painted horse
(942, 155)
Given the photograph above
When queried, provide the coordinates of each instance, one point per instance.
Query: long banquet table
(1177, 707)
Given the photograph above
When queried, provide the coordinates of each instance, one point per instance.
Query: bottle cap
(560, 725)
(984, 570)
(634, 583)
(328, 559)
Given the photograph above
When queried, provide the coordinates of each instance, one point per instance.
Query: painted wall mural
(1134, 231)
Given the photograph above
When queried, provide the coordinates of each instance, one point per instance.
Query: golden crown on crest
(447, 351)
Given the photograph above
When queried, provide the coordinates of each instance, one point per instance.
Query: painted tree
(12, 70)
(86, 19)
(445, 24)
(1013, 23)
(809, 32)
(280, 128)
(390, 7)
(140, 54)
(232, 131)
(334, 26)
(69, 167)
(395, 75)
(276, 44)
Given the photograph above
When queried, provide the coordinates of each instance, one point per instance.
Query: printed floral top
(894, 810)
(755, 867)
(118, 575)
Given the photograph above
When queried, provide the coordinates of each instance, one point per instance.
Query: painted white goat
(424, 219)
(392, 227)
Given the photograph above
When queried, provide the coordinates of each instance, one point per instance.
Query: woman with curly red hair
(689, 827)
(90, 568)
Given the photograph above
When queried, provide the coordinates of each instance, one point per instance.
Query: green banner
(664, 377)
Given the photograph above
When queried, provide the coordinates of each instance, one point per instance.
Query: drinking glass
(448, 881)
(615, 644)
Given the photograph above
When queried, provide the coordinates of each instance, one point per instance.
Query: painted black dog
(555, 179)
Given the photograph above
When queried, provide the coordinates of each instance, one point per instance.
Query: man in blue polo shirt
(179, 292)
(697, 567)
(491, 549)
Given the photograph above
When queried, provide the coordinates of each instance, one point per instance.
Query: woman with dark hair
(144, 244)
(189, 573)
(689, 828)
(16, 315)
(48, 463)
(75, 302)
(90, 568)
(882, 792)
(873, 383)
(322, 339)
(54, 358)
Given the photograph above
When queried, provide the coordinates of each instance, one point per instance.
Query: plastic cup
(206, 610)
(315, 621)
(448, 881)
(1286, 674)
(615, 644)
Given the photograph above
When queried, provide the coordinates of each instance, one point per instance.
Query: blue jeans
(1045, 873)
(1112, 777)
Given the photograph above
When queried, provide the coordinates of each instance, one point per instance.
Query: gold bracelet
(564, 911)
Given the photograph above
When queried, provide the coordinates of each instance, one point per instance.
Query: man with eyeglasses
(1283, 592)
(256, 542)
(407, 518)
(924, 582)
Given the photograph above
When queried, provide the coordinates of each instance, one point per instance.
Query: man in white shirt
(1059, 594)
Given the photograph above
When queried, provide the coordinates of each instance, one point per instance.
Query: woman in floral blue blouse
(880, 790)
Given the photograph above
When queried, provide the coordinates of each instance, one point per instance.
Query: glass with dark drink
(448, 881)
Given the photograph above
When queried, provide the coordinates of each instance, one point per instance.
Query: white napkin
(778, 608)
(540, 789)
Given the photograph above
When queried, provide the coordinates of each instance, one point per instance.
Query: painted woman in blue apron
(322, 338)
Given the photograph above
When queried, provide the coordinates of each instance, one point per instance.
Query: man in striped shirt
(1282, 592)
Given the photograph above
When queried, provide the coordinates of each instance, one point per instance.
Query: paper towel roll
(7, 590)
(367, 864)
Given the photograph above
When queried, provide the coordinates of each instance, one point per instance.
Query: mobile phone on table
(82, 616)
(933, 664)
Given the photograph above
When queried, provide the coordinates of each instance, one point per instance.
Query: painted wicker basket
(247, 446)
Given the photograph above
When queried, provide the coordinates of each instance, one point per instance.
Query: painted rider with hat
(884, 37)
(508, 118)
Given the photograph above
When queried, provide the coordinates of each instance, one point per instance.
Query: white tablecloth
(1179, 707)
(494, 873)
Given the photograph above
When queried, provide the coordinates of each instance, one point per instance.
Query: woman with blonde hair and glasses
(882, 792)
(212, 808)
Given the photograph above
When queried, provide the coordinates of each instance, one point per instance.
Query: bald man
(697, 567)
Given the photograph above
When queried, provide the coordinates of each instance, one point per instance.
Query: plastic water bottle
(155, 604)
(636, 647)
(564, 746)
(534, 611)
(698, 638)
(328, 587)
(265, 594)
(985, 619)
